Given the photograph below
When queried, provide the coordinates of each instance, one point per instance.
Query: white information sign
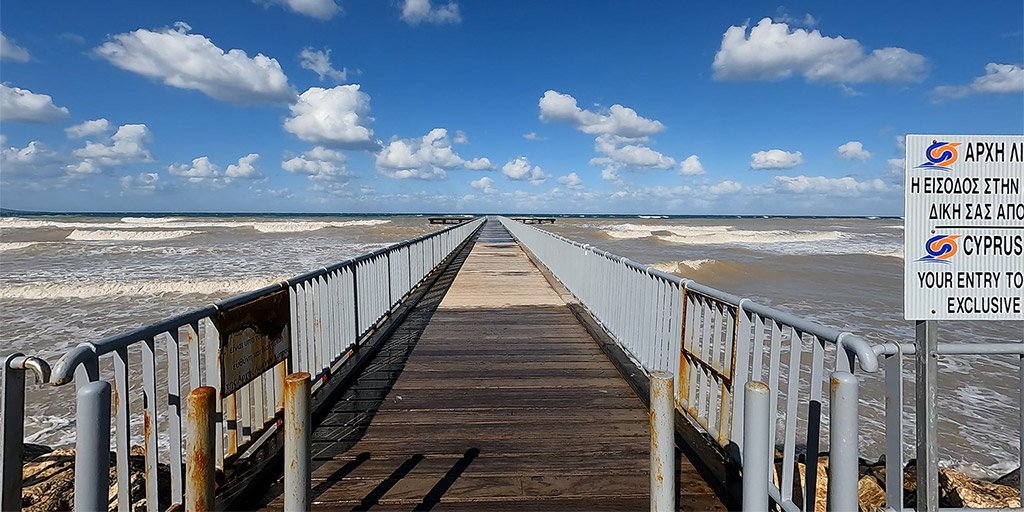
(964, 228)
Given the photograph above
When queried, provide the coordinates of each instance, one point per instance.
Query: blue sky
(410, 105)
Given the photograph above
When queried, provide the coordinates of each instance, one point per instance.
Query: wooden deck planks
(504, 403)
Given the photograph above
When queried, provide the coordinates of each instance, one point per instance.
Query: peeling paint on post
(297, 456)
(200, 459)
(663, 491)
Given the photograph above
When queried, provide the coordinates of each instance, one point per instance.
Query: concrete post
(663, 448)
(843, 464)
(297, 456)
(92, 447)
(200, 459)
(757, 455)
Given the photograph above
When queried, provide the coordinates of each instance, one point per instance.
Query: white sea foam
(299, 226)
(149, 220)
(107, 235)
(92, 289)
(653, 216)
(677, 267)
(14, 246)
(705, 235)
(180, 223)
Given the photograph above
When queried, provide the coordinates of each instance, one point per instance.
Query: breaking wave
(706, 235)
(91, 289)
(14, 246)
(179, 223)
(149, 220)
(135, 236)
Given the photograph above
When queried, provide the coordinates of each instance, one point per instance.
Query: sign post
(963, 256)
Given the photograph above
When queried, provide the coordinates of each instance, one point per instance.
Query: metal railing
(332, 310)
(716, 343)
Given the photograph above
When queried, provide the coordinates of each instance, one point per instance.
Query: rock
(960, 490)
(49, 480)
(870, 494)
(1011, 479)
(820, 487)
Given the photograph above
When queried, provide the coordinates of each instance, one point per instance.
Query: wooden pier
(490, 396)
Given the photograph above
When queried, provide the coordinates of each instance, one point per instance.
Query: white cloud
(520, 169)
(336, 117)
(202, 170)
(691, 166)
(724, 187)
(479, 164)
(144, 182)
(484, 184)
(244, 169)
(624, 153)
(619, 120)
(460, 137)
(320, 164)
(998, 78)
(853, 150)
(609, 174)
(88, 128)
(531, 136)
(191, 61)
(35, 158)
(127, 145)
(11, 51)
(842, 187)
(772, 51)
(18, 104)
(428, 157)
(319, 9)
(571, 180)
(415, 12)
(775, 159)
(319, 62)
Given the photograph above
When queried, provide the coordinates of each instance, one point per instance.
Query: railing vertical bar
(122, 431)
(195, 364)
(757, 362)
(173, 348)
(792, 401)
(212, 344)
(893, 367)
(814, 421)
(740, 378)
(775, 354)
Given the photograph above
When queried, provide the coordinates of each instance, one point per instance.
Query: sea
(70, 278)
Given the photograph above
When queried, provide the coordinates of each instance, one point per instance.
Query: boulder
(959, 490)
(1011, 479)
(870, 494)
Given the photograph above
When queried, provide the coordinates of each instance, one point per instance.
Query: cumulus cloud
(143, 183)
(18, 104)
(191, 61)
(319, 9)
(126, 146)
(88, 129)
(628, 153)
(484, 184)
(320, 164)
(520, 169)
(336, 117)
(843, 187)
(776, 159)
(35, 159)
(427, 157)
(853, 150)
(618, 120)
(244, 169)
(415, 12)
(11, 51)
(571, 180)
(202, 170)
(319, 62)
(998, 78)
(772, 51)
(691, 166)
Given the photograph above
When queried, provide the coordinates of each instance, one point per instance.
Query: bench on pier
(535, 220)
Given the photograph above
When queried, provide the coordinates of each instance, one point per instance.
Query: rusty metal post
(297, 457)
(200, 461)
(757, 425)
(843, 455)
(92, 447)
(663, 448)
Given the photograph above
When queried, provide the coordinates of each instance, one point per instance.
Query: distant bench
(535, 220)
(448, 220)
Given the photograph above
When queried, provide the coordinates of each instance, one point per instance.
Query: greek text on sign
(964, 228)
(254, 337)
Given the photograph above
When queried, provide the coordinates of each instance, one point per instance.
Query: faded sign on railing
(254, 337)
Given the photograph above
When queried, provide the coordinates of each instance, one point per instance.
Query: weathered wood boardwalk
(502, 401)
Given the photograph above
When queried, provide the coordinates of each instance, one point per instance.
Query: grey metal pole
(92, 447)
(927, 342)
(842, 494)
(12, 432)
(200, 459)
(663, 448)
(756, 452)
(297, 457)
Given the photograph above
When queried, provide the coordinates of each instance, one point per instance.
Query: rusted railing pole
(756, 450)
(843, 455)
(92, 447)
(200, 460)
(297, 459)
(663, 448)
